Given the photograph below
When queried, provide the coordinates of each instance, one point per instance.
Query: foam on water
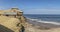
(39, 20)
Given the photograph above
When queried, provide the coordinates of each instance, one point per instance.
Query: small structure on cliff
(13, 12)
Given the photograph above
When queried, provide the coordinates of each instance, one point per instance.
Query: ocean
(44, 18)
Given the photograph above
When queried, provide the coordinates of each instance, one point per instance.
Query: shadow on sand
(22, 29)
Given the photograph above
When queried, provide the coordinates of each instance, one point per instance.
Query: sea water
(44, 18)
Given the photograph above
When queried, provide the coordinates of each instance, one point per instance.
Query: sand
(10, 23)
(42, 27)
(31, 28)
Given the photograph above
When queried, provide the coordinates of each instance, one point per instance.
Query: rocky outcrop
(13, 24)
(10, 23)
(13, 20)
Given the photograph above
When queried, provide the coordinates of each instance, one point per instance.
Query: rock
(10, 23)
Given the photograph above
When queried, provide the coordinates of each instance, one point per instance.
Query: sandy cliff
(11, 23)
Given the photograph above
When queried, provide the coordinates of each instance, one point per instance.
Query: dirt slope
(10, 23)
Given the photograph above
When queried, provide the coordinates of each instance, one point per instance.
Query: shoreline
(40, 25)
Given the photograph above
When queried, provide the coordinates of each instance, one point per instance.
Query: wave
(39, 20)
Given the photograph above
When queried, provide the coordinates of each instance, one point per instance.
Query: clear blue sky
(33, 6)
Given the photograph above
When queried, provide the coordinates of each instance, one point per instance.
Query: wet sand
(43, 25)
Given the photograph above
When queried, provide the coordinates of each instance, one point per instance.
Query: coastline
(41, 25)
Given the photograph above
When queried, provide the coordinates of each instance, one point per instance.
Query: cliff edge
(14, 21)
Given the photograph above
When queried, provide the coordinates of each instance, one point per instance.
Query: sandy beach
(43, 25)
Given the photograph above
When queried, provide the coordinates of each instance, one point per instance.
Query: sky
(33, 6)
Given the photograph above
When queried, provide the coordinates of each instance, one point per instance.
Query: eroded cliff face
(13, 23)
(10, 23)
(12, 19)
